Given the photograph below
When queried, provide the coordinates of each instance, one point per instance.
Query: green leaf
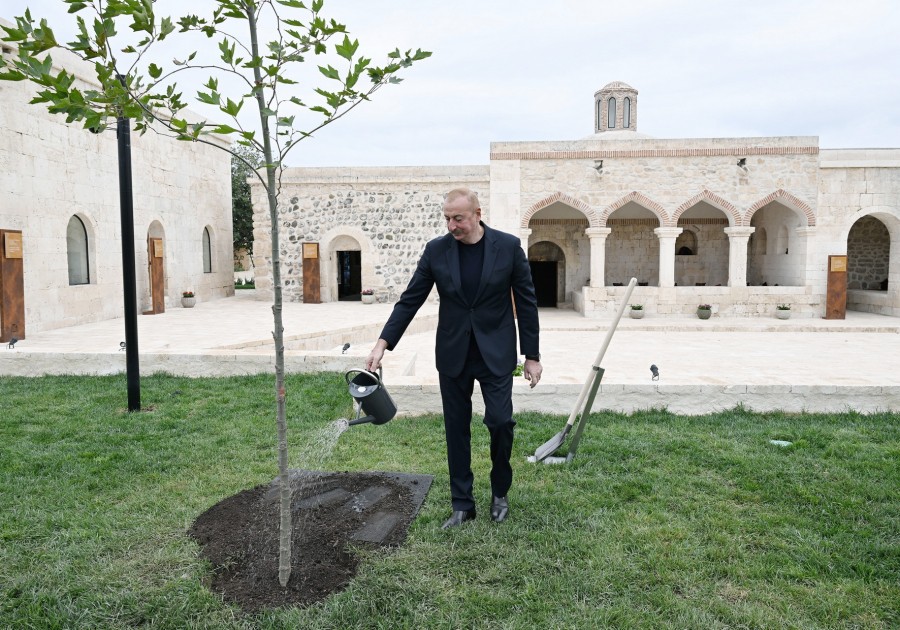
(166, 28)
(154, 71)
(347, 49)
(330, 72)
(231, 108)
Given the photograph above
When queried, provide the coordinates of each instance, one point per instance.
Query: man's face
(463, 220)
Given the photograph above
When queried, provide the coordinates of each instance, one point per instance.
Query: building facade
(59, 187)
(743, 224)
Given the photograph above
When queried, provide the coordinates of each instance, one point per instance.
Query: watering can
(368, 391)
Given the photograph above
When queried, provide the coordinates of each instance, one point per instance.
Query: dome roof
(616, 85)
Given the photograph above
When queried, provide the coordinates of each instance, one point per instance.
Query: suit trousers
(456, 396)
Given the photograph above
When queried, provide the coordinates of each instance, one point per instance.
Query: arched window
(611, 113)
(626, 113)
(77, 252)
(599, 115)
(207, 251)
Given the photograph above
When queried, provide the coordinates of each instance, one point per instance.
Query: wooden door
(157, 276)
(311, 283)
(836, 288)
(12, 286)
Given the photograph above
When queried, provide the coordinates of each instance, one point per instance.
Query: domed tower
(615, 108)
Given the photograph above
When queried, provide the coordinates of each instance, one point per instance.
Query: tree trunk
(284, 541)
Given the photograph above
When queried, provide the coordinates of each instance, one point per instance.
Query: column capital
(598, 232)
(668, 232)
(806, 230)
(524, 232)
(743, 230)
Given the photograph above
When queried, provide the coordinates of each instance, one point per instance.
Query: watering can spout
(364, 420)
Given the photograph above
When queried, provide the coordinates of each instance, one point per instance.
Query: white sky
(525, 70)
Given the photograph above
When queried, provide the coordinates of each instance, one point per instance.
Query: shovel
(549, 447)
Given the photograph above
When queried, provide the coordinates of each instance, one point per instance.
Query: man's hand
(532, 371)
(373, 361)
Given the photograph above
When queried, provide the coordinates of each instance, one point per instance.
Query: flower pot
(188, 302)
(368, 299)
(636, 313)
(704, 313)
(782, 314)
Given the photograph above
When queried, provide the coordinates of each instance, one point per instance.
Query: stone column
(667, 236)
(598, 254)
(524, 233)
(737, 254)
(804, 255)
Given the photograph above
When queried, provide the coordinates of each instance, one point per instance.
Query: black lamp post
(126, 212)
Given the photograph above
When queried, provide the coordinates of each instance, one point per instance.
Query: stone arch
(154, 230)
(337, 239)
(91, 231)
(890, 217)
(642, 200)
(550, 284)
(209, 231)
(786, 199)
(689, 239)
(720, 203)
(589, 212)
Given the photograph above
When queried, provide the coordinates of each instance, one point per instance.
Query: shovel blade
(549, 447)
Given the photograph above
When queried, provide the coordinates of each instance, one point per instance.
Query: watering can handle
(377, 377)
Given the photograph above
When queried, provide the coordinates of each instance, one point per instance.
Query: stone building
(59, 187)
(743, 224)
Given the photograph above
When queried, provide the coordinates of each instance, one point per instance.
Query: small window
(611, 114)
(207, 252)
(626, 113)
(77, 252)
(599, 115)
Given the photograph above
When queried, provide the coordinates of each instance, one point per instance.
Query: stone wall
(802, 202)
(868, 255)
(50, 171)
(667, 177)
(390, 213)
(858, 183)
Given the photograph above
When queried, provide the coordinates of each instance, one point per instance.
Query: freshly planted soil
(332, 514)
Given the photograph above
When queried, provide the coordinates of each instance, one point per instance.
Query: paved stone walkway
(764, 363)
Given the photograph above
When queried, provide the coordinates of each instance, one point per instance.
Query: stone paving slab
(733, 357)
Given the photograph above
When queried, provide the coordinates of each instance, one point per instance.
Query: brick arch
(787, 199)
(582, 207)
(712, 199)
(642, 200)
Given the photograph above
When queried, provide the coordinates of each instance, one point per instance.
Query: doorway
(349, 268)
(155, 256)
(544, 275)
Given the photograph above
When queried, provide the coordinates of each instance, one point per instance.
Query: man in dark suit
(475, 269)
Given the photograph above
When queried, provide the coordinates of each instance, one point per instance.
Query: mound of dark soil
(332, 513)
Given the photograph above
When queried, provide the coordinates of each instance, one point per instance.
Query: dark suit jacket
(489, 317)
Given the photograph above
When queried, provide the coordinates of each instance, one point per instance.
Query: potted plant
(783, 311)
(637, 311)
(368, 296)
(188, 300)
(704, 311)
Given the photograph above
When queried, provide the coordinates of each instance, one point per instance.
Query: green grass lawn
(662, 521)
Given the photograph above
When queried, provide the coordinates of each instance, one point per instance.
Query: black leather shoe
(458, 518)
(499, 509)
